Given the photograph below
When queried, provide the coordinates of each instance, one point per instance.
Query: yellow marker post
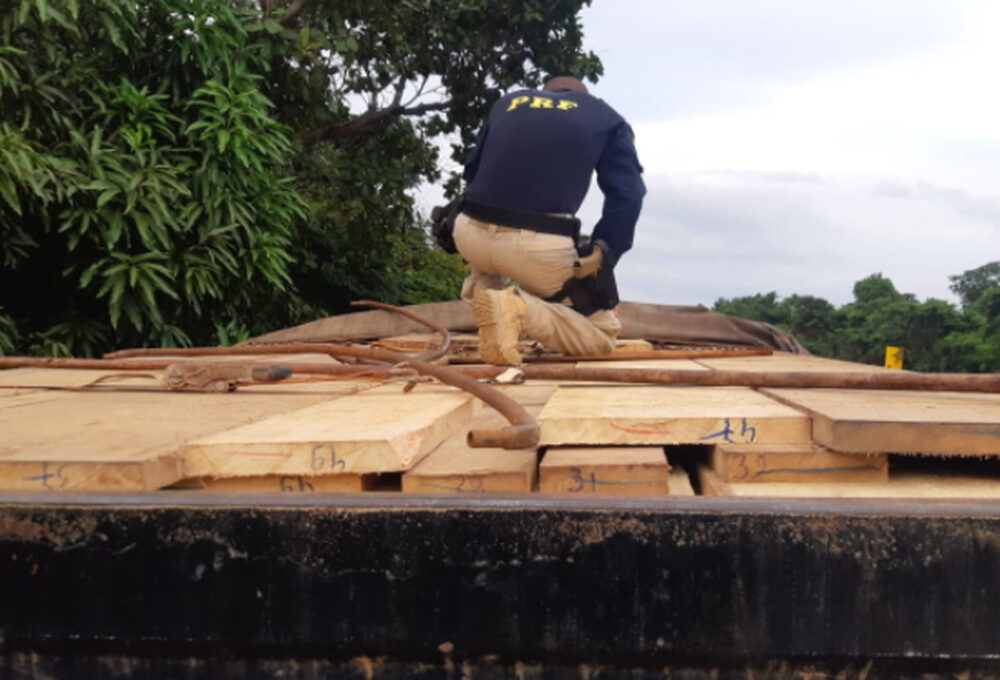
(894, 357)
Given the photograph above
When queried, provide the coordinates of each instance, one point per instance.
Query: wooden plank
(908, 484)
(124, 440)
(143, 474)
(29, 378)
(345, 483)
(383, 430)
(454, 467)
(765, 463)
(712, 484)
(23, 386)
(680, 483)
(529, 394)
(935, 423)
(668, 415)
(622, 470)
(783, 361)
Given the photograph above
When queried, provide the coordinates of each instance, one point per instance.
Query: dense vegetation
(194, 171)
(935, 335)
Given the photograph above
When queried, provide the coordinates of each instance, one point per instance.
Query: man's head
(565, 83)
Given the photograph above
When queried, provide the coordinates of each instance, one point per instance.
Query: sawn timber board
(908, 484)
(106, 440)
(21, 386)
(768, 463)
(668, 415)
(620, 470)
(937, 423)
(376, 431)
(455, 468)
(783, 361)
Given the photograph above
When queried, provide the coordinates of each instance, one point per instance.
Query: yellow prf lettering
(541, 103)
(517, 101)
(566, 105)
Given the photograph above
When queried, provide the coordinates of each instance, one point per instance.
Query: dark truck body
(377, 585)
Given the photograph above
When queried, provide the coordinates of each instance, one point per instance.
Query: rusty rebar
(430, 355)
(876, 380)
(523, 431)
(644, 355)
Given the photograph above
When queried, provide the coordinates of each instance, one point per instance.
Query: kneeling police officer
(526, 179)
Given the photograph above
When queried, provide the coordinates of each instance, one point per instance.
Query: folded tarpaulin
(663, 323)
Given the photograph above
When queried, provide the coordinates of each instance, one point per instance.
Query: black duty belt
(549, 224)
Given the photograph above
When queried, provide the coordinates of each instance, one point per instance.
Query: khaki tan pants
(540, 264)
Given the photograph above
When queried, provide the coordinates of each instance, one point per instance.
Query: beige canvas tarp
(664, 323)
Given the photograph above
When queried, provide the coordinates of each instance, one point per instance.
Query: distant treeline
(935, 335)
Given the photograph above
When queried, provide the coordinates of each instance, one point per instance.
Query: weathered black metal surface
(381, 583)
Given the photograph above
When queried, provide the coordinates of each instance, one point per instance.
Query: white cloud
(708, 235)
(818, 143)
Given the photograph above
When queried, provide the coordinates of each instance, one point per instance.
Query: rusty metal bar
(888, 380)
(656, 354)
(523, 431)
(441, 330)
(94, 364)
(879, 380)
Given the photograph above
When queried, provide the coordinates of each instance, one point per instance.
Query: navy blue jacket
(538, 151)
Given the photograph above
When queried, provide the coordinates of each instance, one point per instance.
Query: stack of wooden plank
(60, 431)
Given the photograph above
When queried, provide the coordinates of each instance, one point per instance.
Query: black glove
(443, 223)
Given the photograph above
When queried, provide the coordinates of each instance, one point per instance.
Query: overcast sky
(801, 145)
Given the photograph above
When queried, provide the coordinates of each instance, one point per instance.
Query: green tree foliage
(972, 284)
(141, 173)
(935, 335)
(191, 171)
(398, 79)
(808, 318)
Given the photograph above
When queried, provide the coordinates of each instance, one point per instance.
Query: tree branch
(379, 119)
(293, 10)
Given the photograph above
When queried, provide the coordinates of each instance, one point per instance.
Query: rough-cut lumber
(712, 484)
(21, 386)
(344, 483)
(680, 483)
(668, 415)
(453, 467)
(619, 470)
(783, 361)
(767, 463)
(941, 423)
(375, 431)
(124, 440)
(528, 395)
(908, 484)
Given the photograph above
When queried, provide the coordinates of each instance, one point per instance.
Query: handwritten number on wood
(747, 433)
(296, 484)
(323, 457)
(576, 474)
(474, 485)
(742, 471)
(52, 477)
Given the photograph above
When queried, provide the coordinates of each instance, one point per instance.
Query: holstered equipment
(592, 293)
(519, 219)
(443, 223)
